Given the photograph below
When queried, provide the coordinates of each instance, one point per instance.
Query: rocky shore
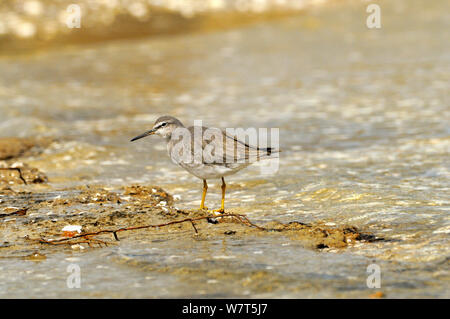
(34, 217)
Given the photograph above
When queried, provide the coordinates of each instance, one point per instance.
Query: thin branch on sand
(15, 169)
(87, 237)
(20, 212)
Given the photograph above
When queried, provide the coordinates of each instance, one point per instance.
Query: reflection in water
(363, 118)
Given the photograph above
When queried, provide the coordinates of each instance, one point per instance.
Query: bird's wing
(243, 151)
(219, 147)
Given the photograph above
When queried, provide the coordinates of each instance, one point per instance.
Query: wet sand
(30, 235)
(131, 206)
(363, 177)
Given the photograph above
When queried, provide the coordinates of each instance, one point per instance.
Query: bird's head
(164, 126)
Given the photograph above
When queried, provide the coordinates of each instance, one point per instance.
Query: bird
(207, 153)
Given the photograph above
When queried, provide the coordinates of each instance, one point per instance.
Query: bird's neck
(167, 138)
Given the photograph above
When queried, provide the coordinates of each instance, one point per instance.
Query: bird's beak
(152, 131)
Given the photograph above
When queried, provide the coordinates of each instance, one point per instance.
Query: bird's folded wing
(225, 148)
(218, 147)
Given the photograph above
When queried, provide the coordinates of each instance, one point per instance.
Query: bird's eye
(163, 124)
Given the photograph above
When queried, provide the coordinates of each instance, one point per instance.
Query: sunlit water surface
(364, 128)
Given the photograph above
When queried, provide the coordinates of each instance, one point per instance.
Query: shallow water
(364, 128)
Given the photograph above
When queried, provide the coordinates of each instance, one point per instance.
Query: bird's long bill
(152, 131)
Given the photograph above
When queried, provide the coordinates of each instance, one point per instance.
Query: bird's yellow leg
(222, 206)
(205, 188)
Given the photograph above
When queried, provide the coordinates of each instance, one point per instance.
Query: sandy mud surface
(96, 209)
(32, 222)
(363, 179)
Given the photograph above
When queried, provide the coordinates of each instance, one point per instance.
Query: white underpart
(211, 171)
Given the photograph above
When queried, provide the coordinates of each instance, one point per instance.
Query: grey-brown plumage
(206, 152)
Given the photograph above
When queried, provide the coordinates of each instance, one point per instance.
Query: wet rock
(17, 172)
(96, 195)
(36, 256)
(140, 209)
(20, 173)
(6, 190)
(146, 191)
(320, 236)
(14, 147)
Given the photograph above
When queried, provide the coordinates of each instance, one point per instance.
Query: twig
(195, 228)
(87, 236)
(85, 240)
(244, 219)
(15, 169)
(20, 212)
